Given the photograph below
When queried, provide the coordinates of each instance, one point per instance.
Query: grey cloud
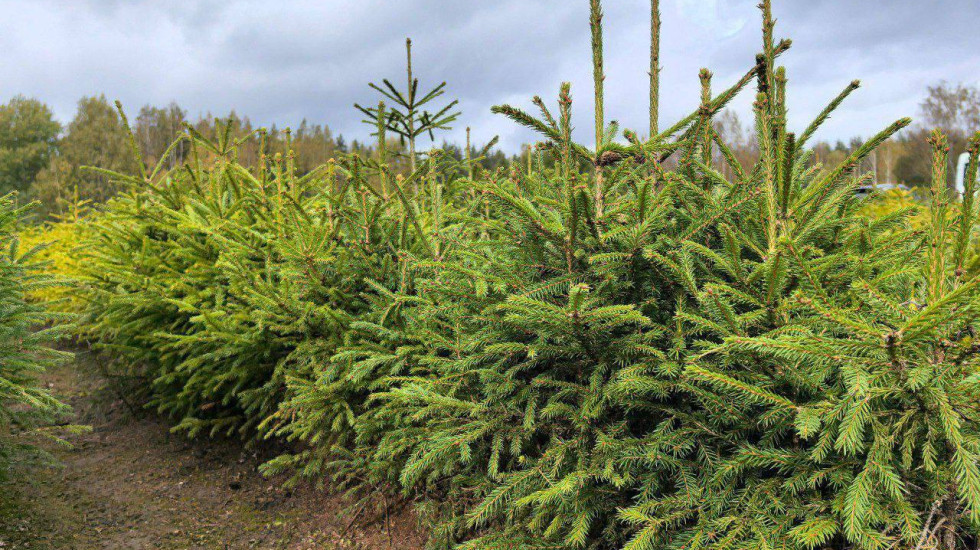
(280, 62)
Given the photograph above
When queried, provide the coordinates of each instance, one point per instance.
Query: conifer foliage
(594, 351)
(26, 407)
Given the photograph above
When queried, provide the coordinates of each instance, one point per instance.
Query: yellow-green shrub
(894, 200)
(58, 254)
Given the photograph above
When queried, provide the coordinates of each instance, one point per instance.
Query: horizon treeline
(43, 159)
(904, 159)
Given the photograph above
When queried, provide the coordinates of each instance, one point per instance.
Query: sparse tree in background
(95, 137)
(827, 154)
(954, 109)
(28, 133)
(886, 160)
(913, 166)
(314, 145)
(156, 128)
(738, 137)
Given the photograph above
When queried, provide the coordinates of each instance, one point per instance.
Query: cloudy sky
(280, 62)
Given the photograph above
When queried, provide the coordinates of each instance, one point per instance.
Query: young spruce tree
(27, 408)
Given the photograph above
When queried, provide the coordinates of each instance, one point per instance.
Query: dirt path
(130, 484)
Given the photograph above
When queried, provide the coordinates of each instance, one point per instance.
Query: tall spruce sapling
(654, 67)
(407, 115)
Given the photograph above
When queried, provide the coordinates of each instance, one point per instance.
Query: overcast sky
(280, 62)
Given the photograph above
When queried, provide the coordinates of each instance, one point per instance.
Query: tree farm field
(720, 324)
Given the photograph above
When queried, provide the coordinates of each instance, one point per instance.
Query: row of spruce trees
(615, 346)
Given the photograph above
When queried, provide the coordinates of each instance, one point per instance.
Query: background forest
(41, 157)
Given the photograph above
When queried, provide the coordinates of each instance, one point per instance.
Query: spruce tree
(26, 405)
(407, 117)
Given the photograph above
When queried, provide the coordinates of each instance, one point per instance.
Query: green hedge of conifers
(602, 349)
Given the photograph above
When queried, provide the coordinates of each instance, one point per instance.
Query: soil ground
(131, 484)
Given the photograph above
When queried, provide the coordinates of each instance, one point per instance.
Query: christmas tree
(26, 406)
